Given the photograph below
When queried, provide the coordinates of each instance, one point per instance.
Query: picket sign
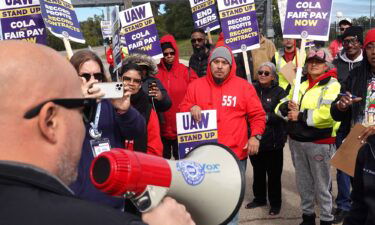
(300, 57)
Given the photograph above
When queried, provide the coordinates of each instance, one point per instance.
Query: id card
(99, 146)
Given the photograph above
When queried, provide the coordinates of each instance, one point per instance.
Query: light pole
(370, 13)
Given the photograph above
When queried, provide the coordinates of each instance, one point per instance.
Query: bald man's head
(29, 75)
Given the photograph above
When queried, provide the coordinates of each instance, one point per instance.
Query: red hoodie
(235, 100)
(175, 81)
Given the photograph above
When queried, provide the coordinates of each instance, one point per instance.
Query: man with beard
(236, 102)
(201, 50)
(335, 46)
(41, 142)
(346, 61)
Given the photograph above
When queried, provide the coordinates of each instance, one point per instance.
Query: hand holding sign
(196, 113)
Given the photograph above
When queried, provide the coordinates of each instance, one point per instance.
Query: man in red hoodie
(236, 102)
(175, 77)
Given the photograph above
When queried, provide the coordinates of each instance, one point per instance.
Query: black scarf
(141, 103)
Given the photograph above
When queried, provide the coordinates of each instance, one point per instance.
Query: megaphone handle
(150, 198)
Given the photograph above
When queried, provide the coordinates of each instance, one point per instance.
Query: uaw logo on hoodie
(192, 172)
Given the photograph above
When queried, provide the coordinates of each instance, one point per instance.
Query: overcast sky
(349, 8)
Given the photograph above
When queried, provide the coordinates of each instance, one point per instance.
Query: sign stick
(300, 59)
(247, 66)
(68, 47)
(209, 37)
(246, 61)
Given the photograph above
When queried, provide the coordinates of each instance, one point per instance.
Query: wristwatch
(258, 137)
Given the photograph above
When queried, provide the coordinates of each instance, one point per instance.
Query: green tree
(178, 19)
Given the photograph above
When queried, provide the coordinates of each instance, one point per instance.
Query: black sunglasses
(196, 40)
(97, 76)
(343, 29)
(88, 104)
(266, 73)
(168, 53)
(352, 41)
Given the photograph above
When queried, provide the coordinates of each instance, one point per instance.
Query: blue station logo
(192, 172)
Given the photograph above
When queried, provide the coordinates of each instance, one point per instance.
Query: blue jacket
(116, 128)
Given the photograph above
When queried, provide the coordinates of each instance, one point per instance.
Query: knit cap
(354, 31)
(221, 52)
(370, 37)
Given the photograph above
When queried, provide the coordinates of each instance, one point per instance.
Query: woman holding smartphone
(114, 122)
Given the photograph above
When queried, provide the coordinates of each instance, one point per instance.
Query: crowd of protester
(336, 92)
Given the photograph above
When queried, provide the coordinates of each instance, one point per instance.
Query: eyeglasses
(352, 41)
(97, 76)
(128, 79)
(266, 73)
(193, 41)
(168, 53)
(370, 47)
(88, 104)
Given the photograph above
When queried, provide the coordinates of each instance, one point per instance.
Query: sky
(349, 8)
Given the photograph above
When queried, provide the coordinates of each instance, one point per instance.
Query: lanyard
(94, 132)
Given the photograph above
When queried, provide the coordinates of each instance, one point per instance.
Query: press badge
(100, 145)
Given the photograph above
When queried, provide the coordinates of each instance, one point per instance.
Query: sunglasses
(266, 73)
(196, 40)
(88, 105)
(97, 76)
(352, 41)
(343, 29)
(168, 53)
(128, 79)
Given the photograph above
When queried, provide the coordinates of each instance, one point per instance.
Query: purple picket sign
(185, 148)
(308, 19)
(205, 15)
(240, 27)
(24, 23)
(140, 32)
(144, 41)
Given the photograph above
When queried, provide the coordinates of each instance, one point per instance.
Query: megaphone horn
(209, 181)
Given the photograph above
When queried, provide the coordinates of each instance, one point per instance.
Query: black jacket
(274, 136)
(34, 197)
(363, 193)
(357, 85)
(344, 66)
(199, 61)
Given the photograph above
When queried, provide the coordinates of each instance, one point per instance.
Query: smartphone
(152, 84)
(111, 89)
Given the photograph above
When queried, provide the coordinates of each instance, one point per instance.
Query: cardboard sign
(191, 133)
(289, 72)
(141, 35)
(309, 19)
(106, 28)
(61, 19)
(205, 14)
(22, 20)
(239, 24)
(345, 157)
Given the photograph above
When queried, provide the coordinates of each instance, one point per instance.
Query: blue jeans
(243, 165)
(343, 200)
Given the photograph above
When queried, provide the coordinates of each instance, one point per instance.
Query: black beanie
(166, 45)
(354, 31)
